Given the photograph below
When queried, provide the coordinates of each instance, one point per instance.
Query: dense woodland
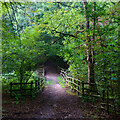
(86, 35)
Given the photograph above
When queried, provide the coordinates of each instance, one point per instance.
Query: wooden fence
(81, 88)
(36, 85)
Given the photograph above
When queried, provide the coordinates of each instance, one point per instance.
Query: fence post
(74, 84)
(71, 83)
(107, 101)
(65, 78)
(42, 83)
(38, 83)
(83, 88)
(43, 71)
(31, 87)
(103, 95)
(78, 87)
(113, 101)
(114, 107)
(11, 89)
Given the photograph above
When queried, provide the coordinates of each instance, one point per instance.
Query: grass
(61, 81)
(50, 82)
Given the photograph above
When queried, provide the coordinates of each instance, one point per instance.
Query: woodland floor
(54, 102)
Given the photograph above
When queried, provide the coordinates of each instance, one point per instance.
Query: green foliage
(49, 29)
(50, 82)
(11, 77)
(61, 81)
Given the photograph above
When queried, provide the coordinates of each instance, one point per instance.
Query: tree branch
(15, 18)
(57, 39)
(63, 4)
(80, 46)
(6, 57)
(10, 17)
(65, 34)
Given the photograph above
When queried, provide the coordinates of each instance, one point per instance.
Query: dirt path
(57, 103)
(53, 102)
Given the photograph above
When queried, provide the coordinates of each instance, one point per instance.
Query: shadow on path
(53, 103)
(57, 103)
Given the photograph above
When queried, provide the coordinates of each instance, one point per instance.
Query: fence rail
(36, 85)
(80, 88)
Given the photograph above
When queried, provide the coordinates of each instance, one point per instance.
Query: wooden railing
(75, 84)
(21, 89)
(80, 88)
(37, 85)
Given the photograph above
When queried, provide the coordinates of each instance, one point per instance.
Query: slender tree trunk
(93, 40)
(88, 42)
(119, 60)
(15, 19)
(90, 52)
(10, 19)
(21, 73)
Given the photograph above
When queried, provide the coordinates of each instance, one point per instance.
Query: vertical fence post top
(10, 83)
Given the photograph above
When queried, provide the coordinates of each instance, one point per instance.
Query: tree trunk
(21, 74)
(90, 52)
(93, 40)
(10, 19)
(119, 59)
